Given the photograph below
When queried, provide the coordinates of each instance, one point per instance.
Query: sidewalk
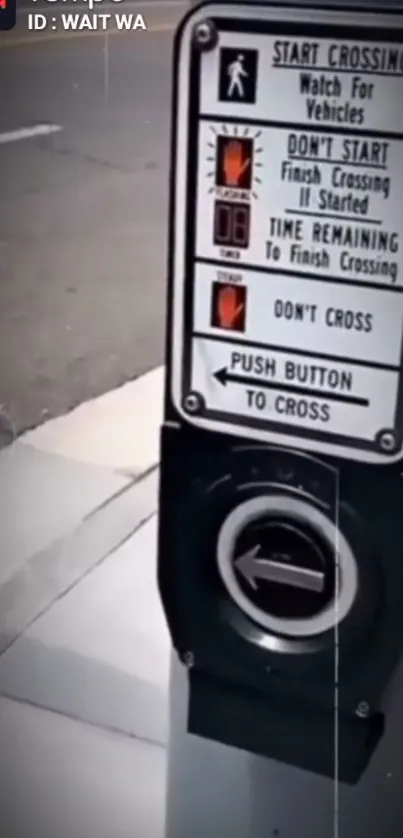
(84, 650)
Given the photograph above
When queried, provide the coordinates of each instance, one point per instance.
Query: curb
(53, 572)
(118, 430)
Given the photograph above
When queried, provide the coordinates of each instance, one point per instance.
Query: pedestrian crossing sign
(238, 75)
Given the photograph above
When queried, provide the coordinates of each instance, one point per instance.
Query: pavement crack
(90, 158)
(134, 479)
(105, 728)
(74, 584)
(127, 537)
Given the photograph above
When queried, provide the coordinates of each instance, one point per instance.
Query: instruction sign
(289, 326)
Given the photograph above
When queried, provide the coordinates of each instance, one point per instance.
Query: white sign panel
(288, 389)
(360, 324)
(317, 203)
(289, 326)
(327, 82)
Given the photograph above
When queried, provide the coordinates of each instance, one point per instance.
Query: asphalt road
(83, 213)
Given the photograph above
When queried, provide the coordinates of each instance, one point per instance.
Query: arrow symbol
(224, 377)
(252, 568)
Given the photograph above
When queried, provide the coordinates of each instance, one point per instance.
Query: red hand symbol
(233, 164)
(228, 308)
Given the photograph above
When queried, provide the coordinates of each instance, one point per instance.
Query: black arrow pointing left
(224, 377)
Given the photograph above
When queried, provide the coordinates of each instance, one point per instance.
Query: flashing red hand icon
(233, 163)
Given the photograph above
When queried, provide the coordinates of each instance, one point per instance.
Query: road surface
(83, 212)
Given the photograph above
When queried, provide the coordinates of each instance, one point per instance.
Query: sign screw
(193, 403)
(205, 36)
(188, 659)
(363, 710)
(387, 441)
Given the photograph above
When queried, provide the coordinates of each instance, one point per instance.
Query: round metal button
(286, 566)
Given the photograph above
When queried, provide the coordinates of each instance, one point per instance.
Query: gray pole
(217, 792)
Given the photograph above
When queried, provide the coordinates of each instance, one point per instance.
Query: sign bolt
(193, 403)
(387, 441)
(188, 659)
(363, 710)
(205, 35)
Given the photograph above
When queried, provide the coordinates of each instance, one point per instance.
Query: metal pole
(209, 785)
(217, 792)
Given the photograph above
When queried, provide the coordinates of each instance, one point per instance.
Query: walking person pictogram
(238, 75)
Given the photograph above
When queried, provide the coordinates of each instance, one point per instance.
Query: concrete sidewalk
(84, 649)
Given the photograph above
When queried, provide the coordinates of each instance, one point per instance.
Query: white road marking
(26, 133)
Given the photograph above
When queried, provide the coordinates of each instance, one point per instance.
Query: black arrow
(223, 376)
